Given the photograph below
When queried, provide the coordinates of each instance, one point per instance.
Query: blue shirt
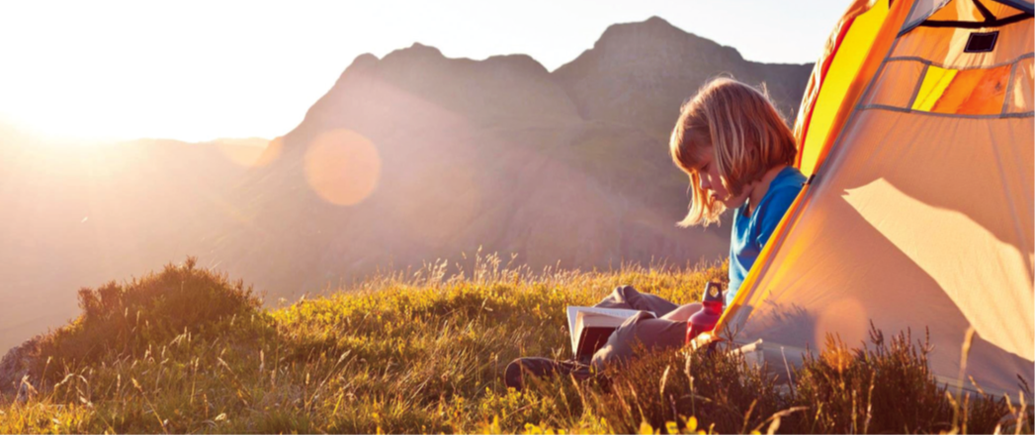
(750, 233)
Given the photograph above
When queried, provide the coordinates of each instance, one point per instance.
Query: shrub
(718, 387)
(884, 388)
(127, 318)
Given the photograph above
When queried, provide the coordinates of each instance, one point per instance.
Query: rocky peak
(657, 32)
(639, 74)
(416, 53)
(419, 84)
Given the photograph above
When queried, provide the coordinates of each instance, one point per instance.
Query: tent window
(981, 42)
(1022, 90)
(945, 47)
(963, 92)
(896, 84)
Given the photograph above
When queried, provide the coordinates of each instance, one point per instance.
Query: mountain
(406, 160)
(640, 73)
(569, 166)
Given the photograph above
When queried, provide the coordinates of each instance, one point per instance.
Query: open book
(590, 327)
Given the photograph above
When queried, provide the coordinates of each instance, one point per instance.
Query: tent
(916, 132)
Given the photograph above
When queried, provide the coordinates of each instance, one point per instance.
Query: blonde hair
(741, 127)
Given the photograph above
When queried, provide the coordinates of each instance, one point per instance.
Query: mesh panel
(1019, 99)
(896, 84)
(921, 10)
(966, 92)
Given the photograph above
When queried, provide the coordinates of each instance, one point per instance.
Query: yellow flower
(646, 429)
(671, 427)
(691, 424)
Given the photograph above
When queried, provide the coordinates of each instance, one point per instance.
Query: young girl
(738, 153)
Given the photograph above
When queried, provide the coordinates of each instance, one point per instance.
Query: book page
(575, 313)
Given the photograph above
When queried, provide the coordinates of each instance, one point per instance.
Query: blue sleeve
(772, 211)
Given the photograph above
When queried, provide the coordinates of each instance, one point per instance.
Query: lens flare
(342, 167)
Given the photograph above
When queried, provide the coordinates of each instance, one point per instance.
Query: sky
(200, 70)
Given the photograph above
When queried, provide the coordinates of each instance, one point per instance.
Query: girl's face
(711, 182)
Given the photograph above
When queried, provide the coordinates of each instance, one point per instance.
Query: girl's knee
(683, 313)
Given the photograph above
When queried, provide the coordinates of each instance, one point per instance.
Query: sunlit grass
(186, 350)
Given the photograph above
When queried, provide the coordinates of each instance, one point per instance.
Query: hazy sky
(200, 70)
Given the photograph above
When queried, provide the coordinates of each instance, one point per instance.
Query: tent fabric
(967, 10)
(949, 53)
(952, 91)
(847, 50)
(920, 11)
(923, 10)
(921, 213)
(1019, 97)
(1023, 5)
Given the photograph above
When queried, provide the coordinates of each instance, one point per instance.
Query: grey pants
(639, 331)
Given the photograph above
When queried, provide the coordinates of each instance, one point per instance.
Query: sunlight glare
(249, 153)
(343, 167)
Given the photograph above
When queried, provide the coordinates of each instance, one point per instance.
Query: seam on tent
(836, 146)
(944, 115)
(801, 202)
(865, 95)
(944, 66)
(824, 66)
(784, 228)
(885, 107)
(1009, 87)
(919, 84)
(985, 13)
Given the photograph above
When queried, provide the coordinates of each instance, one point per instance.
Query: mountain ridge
(570, 164)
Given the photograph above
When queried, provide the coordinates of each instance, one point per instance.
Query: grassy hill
(187, 350)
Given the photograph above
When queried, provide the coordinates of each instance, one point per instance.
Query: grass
(187, 350)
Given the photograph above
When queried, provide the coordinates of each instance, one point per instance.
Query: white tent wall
(873, 245)
(918, 221)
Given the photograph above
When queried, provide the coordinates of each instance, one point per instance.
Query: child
(738, 153)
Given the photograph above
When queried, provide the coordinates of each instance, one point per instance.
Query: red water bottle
(705, 319)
